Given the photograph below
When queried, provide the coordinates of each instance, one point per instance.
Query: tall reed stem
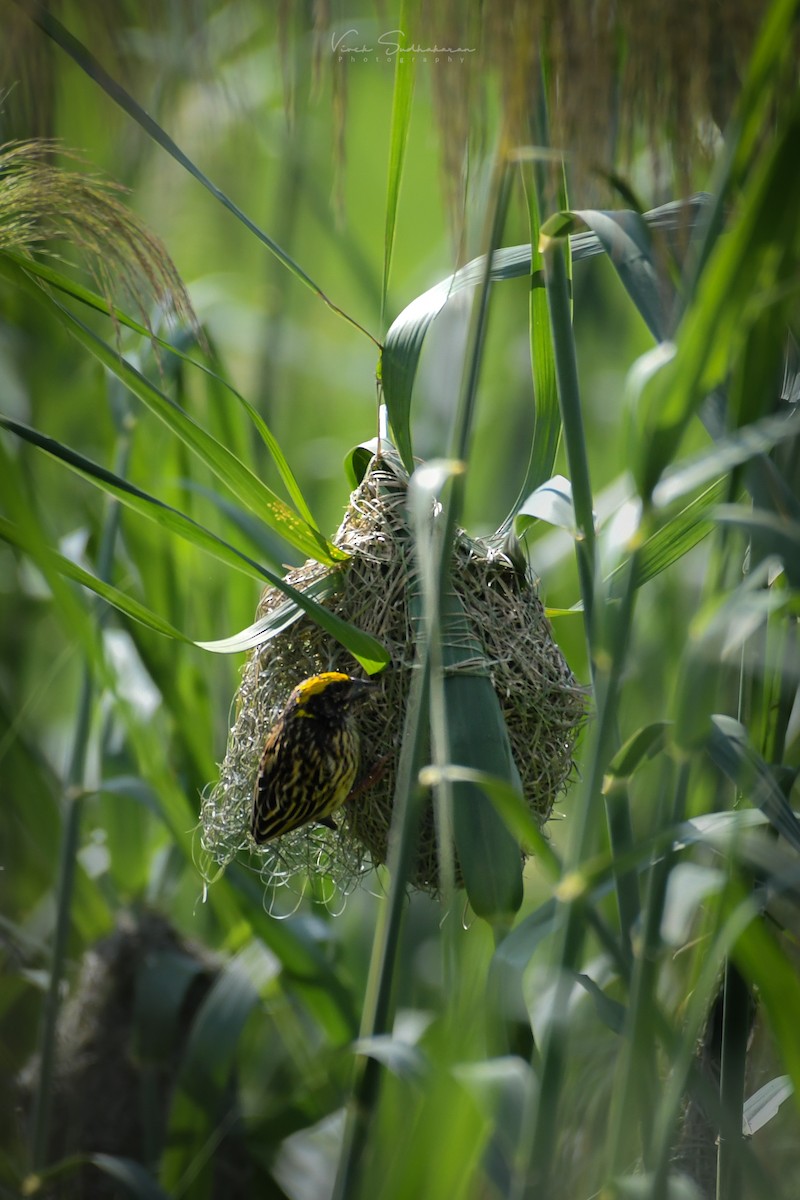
(70, 843)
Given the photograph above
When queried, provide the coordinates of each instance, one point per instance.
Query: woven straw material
(542, 704)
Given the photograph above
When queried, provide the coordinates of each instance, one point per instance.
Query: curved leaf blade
(550, 502)
(729, 747)
(406, 335)
(626, 240)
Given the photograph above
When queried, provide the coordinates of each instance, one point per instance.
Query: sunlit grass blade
(243, 484)
(369, 652)
(673, 540)
(764, 1104)
(274, 623)
(550, 502)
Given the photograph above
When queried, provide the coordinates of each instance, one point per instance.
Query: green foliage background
(550, 1053)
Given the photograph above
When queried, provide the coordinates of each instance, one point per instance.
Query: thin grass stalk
(70, 844)
(534, 1174)
(572, 423)
(735, 914)
(782, 702)
(378, 1001)
(431, 549)
(547, 426)
(746, 126)
(736, 1014)
(86, 61)
(633, 1097)
(559, 304)
(465, 414)
(736, 1018)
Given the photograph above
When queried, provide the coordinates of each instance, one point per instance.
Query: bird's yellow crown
(316, 684)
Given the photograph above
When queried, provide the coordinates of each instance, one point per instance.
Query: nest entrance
(542, 704)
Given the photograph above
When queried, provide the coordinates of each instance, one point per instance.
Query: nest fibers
(542, 704)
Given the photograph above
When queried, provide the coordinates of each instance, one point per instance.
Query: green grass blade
(137, 1182)
(51, 560)
(365, 648)
(776, 534)
(26, 532)
(46, 274)
(247, 488)
(673, 540)
(126, 1172)
(729, 747)
(406, 335)
(467, 724)
(762, 961)
(402, 97)
(199, 1100)
(641, 745)
(626, 240)
(547, 415)
(728, 452)
(757, 257)
(509, 804)
(572, 419)
(140, 502)
(487, 851)
(90, 65)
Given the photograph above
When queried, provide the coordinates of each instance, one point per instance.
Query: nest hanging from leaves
(542, 703)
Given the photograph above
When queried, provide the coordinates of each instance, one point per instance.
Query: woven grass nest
(542, 703)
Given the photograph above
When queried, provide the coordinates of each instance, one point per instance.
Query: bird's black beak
(360, 688)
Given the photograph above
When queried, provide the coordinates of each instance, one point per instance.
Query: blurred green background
(223, 1034)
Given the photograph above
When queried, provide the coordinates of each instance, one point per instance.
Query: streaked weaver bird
(310, 758)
